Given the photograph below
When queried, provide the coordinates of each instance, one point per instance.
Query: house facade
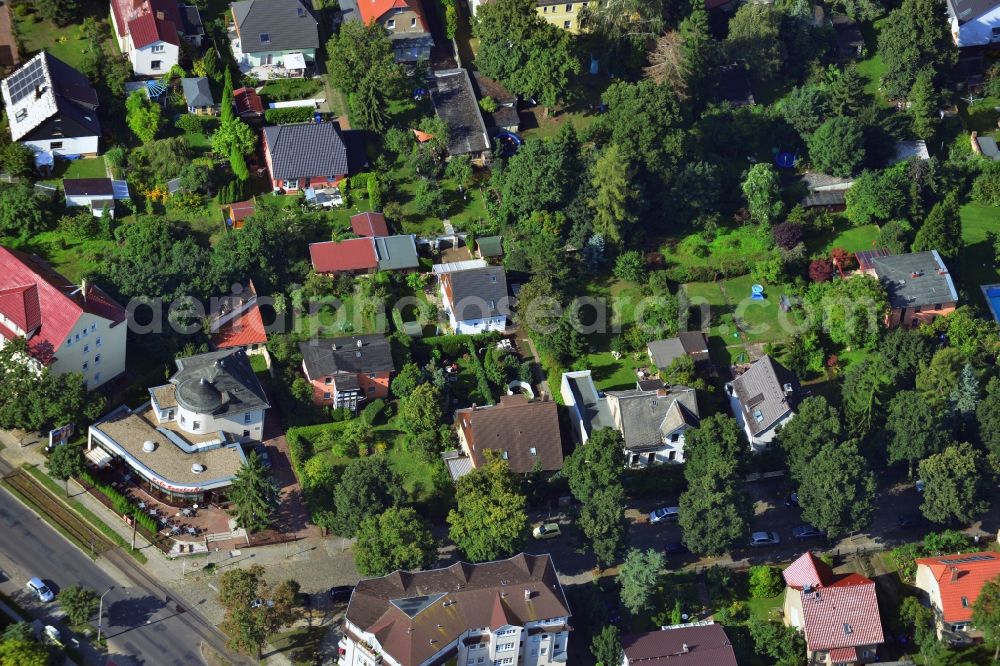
(762, 398)
(304, 155)
(198, 96)
(838, 614)
(348, 371)
(51, 107)
(185, 443)
(97, 194)
(512, 612)
(951, 585)
(273, 38)
(149, 32)
(475, 300)
(973, 23)
(918, 285)
(68, 327)
(564, 14)
(404, 20)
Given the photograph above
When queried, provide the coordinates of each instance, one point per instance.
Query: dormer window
(301, 11)
(265, 38)
(965, 602)
(533, 451)
(505, 455)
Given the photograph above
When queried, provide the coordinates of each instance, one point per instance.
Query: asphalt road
(141, 626)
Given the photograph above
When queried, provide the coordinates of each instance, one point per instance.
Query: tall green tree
(936, 380)
(227, 109)
(489, 521)
(19, 651)
(755, 38)
(359, 51)
(638, 578)
(864, 394)
(255, 611)
(60, 12)
(877, 196)
(838, 146)
(988, 417)
(986, 614)
(964, 397)
(255, 495)
(420, 417)
(924, 105)
(837, 490)
(762, 190)
(606, 646)
(594, 472)
(914, 430)
(614, 197)
(396, 539)
(64, 463)
(784, 645)
(367, 487)
(849, 311)
(957, 485)
(142, 116)
(913, 39)
(79, 603)
(942, 230)
(846, 94)
(817, 424)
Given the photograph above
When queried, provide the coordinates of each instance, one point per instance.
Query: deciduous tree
(762, 190)
(489, 521)
(914, 39)
(837, 146)
(79, 603)
(837, 490)
(914, 430)
(755, 38)
(367, 487)
(986, 614)
(817, 424)
(420, 417)
(594, 473)
(638, 577)
(396, 539)
(957, 484)
(606, 646)
(142, 116)
(64, 463)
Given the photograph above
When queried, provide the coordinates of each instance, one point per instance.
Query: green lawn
(611, 374)
(89, 167)
(980, 117)
(873, 68)
(71, 257)
(850, 238)
(581, 113)
(68, 44)
(291, 89)
(975, 265)
(729, 302)
(747, 243)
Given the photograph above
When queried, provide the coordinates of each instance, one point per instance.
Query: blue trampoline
(785, 160)
(509, 143)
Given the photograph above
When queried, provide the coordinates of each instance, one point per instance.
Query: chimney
(527, 594)
(358, 342)
(159, 16)
(915, 274)
(788, 388)
(333, 346)
(661, 393)
(473, 406)
(83, 290)
(954, 574)
(685, 649)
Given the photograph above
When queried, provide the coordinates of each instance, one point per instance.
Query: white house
(476, 299)
(275, 38)
(51, 107)
(97, 194)
(149, 33)
(762, 398)
(68, 328)
(974, 22)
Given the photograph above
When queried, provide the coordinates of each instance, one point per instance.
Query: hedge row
(480, 372)
(123, 505)
(293, 114)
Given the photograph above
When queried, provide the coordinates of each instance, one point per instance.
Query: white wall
(234, 424)
(978, 32)
(94, 342)
(84, 145)
(143, 58)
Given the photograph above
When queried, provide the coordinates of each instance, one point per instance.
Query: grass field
(746, 243)
(729, 303)
(980, 117)
(68, 44)
(852, 239)
(873, 68)
(976, 265)
(90, 167)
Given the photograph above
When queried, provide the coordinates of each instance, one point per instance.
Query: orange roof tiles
(246, 329)
(960, 578)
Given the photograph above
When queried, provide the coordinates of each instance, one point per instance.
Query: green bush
(295, 114)
(190, 123)
(483, 384)
(372, 411)
(765, 582)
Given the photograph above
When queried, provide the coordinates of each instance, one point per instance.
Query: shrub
(630, 267)
(372, 411)
(483, 384)
(295, 114)
(986, 188)
(765, 582)
(820, 270)
(488, 104)
(190, 123)
(787, 235)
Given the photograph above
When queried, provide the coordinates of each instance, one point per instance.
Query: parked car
(764, 539)
(792, 500)
(908, 520)
(808, 532)
(675, 548)
(341, 593)
(546, 531)
(42, 590)
(664, 513)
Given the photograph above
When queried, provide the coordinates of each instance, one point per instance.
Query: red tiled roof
(241, 210)
(126, 11)
(147, 29)
(369, 224)
(20, 305)
(355, 254)
(371, 10)
(241, 331)
(59, 302)
(809, 571)
(842, 616)
(848, 654)
(960, 576)
(247, 101)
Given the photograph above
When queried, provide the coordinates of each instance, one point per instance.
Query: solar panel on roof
(967, 559)
(413, 605)
(23, 82)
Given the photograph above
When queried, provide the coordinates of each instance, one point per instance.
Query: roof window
(758, 416)
(265, 38)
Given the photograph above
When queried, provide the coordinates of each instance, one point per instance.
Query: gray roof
(761, 390)
(816, 180)
(824, 198)
(219, 382)
(933, 284)
(288, 24)
(594, 409)
(687, 343)
(479, 292)
(197, 92)
(967, 10)
(396, 252)
(306, 149)
(191, 18)
(490, 246)
(330, 356)
(455, 103)
(646, 417)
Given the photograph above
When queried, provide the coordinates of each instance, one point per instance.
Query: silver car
(764, 539)
(42, 590)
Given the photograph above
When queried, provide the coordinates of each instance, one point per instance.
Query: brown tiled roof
(515, 426)
(414, 615)
(683, 645)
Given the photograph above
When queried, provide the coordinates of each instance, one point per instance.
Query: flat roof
(124, 433)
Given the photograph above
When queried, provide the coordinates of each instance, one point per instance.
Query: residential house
(184, 444)
(345, 372)
(505, 117)
(372, 225)
(694, 344)
(825, 191)
(236, 321)
(248, 103)
(918, 284)
(489, 248)
(404, 20)
(524, 433)
(455, 103)
(702, 643)
(951, 584)
(273, 38)
(973, 22)
(476, 300)
(838, 615)
(762, 398)
(97, 194)
(510, 611)
(198, 96)
(366, 255)
(305, 155)
(149, 32)
(68, 327)
(236, 213)
(563, 14)
(51, 107)
(397, 253)
(734, 85)
(651, 420)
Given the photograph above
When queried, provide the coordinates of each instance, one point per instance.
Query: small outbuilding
(198, 96)
(95, 193)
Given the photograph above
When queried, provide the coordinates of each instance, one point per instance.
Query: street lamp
(100, 613)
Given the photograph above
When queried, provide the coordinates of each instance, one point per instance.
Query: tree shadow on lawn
(975, 269)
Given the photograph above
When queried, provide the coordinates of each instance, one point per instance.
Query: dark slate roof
(306, 149)
(93, 187)
(526, 433)
(476, 289)
(289, 25)
(932, 284)
(849, 37)
(487, 87)
(71, 84)
(191, 23)
(734, 85)
(197, 92)
(646, 417)
(681, 645)
(824, 198)
(330, 356)
(762, 387)
(219, 382)
(490, 246)
(455, 103)
(967, 10)
(396, 252)
(687, 343)
(594, 409)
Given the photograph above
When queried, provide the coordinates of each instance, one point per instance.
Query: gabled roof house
(305, 155)
(404, 20)
(455, 103)
(236, 322)
(52, 107)
(68, 327)
(476, 299)
(663, 353)
(973, 22)
(702, 643)
(273, 38)
(149, 32)
(366, 255)
(951, 584)
(347, 371)
(762, 398)
(839, 615)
